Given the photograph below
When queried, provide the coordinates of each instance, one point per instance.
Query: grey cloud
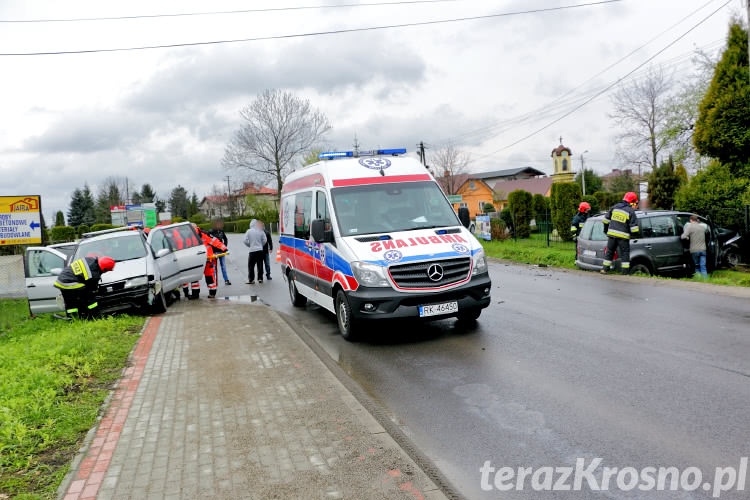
(329, 65)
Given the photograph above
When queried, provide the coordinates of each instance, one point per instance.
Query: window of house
(463, 204)
(472, 185)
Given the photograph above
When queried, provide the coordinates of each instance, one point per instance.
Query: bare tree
(640, 111)
(450, 164)
(278, 127)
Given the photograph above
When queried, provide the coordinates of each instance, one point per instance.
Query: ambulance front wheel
(347, 323)
(298, 300)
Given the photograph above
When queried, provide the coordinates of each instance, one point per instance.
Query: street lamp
(583, 172)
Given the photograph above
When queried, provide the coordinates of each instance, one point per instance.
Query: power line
(488, 128)
(611, 86)
(223, 12)
(316, 33)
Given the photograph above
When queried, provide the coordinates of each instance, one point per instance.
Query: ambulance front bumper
(386, 303)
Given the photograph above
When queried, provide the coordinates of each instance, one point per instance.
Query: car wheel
(298, 300)
(344, 318)
(469, 315)
(640, 268)
(160, 304)
(732, 259)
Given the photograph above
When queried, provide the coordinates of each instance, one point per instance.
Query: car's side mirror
(319, 233)
(161, 253)
(55, 271)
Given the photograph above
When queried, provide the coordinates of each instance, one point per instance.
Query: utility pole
(422, 154)
(229, 197)
(356, 145)
(583, 172)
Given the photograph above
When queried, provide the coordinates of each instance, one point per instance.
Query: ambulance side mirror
(319, 233)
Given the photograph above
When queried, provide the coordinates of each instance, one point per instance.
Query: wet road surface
(561, 366)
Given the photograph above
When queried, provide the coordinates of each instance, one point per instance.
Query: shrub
(488, 208)
(498, 231)
(177, 219)
(594, 202)
(566, 197)
(519, 204)
(606, 200)
(101, 227)
(83, 228)
(62, 234)
(241, 226)
(507, 217)
(198, 218)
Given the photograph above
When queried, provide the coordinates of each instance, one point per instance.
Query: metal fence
(12, 282)
(532, 230)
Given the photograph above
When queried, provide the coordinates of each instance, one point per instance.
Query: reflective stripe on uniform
(71, 311)
(605, 221)
(69, 286)
(573, 228)
(95, 304)
(81, 267)
(196, 285)
(618, 234)
(635, 229)
(625, 265)
(607, 263)
(620, 215)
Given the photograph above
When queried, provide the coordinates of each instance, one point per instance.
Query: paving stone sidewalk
(225, 401)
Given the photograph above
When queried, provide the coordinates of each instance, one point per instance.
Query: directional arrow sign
(20, 220)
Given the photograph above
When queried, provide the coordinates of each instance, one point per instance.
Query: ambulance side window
(321, 209)
(302, 216)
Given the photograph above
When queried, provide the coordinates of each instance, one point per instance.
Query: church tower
(562, 160)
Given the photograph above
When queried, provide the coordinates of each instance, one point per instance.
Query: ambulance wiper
(422, 227)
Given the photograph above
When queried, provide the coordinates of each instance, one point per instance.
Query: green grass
(562, 254)
(533, 251)
(54, 376)
(12, 312)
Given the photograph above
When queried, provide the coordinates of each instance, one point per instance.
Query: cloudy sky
(164, 116)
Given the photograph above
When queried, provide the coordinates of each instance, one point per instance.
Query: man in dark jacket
(217, 231)
(79, 281)
(584, 210)
(620, 224)
(267, 249)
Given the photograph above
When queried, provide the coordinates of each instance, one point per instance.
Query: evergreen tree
(59, 218)
(88, 206)
(622, 184)
(109, 196)
(147, 194)
(161, 205)
(722, 130)
(594, 183)
(178, 202)
(75, 212)
(193, 205)
(663, 184)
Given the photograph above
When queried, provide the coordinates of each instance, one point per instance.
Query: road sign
(455, 198)
(20, 220)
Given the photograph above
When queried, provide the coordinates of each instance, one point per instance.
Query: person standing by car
(267, 249)
(576, 225)
(217, 231)
(695, 233)
(78, 283)
(255, 238)
(620, 224)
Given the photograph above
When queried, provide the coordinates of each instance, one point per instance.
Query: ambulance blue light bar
(349, 154)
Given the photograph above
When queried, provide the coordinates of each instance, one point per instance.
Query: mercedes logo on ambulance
(435, 272)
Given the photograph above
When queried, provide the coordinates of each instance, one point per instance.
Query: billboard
(20, 220)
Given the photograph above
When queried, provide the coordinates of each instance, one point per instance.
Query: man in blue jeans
(695, 233)
(267, 249)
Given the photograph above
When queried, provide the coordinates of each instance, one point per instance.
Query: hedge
(566, 196)
(83, 228)
(607, 200)
(519, 204)
(594, 202)
(101, 227)
(62, 234)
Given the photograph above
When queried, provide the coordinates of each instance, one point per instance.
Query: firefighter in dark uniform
(620, 224)
(79, 281)
(584, 211)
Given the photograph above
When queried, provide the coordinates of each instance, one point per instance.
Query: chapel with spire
(562, 160)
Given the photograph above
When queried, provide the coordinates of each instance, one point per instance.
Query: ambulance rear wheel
(298, 300)
(347, 324)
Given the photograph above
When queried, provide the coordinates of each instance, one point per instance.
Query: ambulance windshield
(382, 208)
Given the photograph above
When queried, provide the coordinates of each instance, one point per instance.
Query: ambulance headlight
(368, 274)
(480, 263)
(136, 282)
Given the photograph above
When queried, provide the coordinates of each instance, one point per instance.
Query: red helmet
(584, 206)
(106, 264)
(631, 197)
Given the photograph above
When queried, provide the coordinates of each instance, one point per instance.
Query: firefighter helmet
(631, 197)
(584, 207)
(106, 264)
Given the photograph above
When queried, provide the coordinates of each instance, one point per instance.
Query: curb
(375, 418)
(86, 445)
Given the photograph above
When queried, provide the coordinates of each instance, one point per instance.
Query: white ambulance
(370, 235)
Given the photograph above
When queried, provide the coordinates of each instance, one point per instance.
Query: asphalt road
(561, 366)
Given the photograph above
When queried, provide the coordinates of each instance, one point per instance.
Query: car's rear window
(593, 230)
